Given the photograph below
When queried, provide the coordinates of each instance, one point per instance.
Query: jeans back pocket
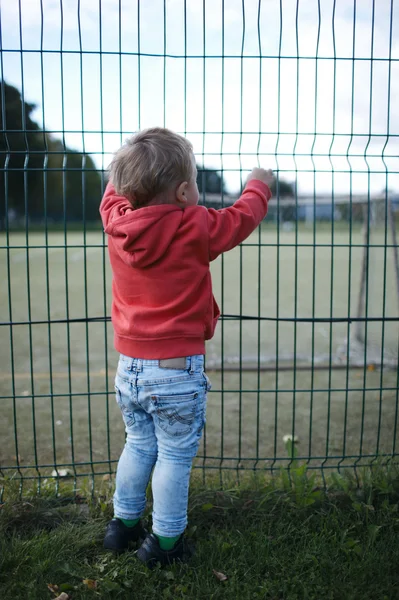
(176, 414)
(125, 406)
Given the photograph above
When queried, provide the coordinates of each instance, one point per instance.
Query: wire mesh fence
(307, 347)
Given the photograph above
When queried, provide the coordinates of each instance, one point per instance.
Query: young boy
(160, 245)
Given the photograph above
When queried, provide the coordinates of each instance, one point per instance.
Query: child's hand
(262, 175)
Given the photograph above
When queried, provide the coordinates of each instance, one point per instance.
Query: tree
(209, 181)
(75, 184)
(282, 188)
(21, 145)
(39, 174)
(284, 191)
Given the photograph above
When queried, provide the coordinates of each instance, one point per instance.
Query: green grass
(57, 400)
(271, 542)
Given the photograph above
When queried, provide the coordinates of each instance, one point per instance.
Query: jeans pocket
(124, 405)
(207, 382)
(176, 414)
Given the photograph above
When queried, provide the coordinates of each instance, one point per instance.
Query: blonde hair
(149, 163)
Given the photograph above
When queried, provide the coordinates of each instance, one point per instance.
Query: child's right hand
(262, 175)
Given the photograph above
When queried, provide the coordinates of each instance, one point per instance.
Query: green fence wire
(306, 353)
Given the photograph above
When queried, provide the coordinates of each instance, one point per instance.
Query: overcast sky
(269, 109)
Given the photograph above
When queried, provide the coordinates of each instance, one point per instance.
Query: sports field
(57, 381)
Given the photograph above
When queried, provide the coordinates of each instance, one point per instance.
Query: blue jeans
(164, 413)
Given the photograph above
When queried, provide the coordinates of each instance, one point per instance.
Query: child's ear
(181, 193)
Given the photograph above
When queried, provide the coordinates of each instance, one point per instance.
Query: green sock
(167, 543)
(129, 522)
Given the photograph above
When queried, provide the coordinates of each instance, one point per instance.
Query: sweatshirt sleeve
(112, 207)
(230, 226)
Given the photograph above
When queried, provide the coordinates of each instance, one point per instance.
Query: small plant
(296, 477)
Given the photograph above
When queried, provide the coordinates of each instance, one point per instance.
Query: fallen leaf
(91, 584)
(62, 596)
(53, 588)
(106, 477)
(371, 367)
(220, 576)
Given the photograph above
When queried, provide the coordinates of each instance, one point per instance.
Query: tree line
(40, 175)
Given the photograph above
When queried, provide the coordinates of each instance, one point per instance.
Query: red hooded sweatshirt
(163, 306)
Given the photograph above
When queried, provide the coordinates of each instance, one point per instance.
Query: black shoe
(150, 552)
(118, 537)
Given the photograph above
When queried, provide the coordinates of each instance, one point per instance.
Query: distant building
(321, 207)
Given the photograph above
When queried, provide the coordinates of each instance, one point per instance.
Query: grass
(240, 426)
(57, 399)
(270, 540)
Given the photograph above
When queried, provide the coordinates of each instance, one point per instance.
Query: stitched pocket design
(176, 414)
(208, 383)
(127, 412)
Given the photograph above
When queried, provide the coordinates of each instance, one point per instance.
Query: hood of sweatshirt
(144, 235)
